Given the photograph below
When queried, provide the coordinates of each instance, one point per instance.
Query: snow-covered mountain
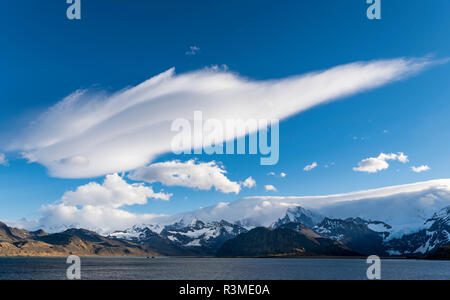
(375, 237)
(193, 238)
(405, 208)
(364, 237)
(337, 228)
(399, 220)
(299, 215)
(436, 234)
(136, 233)
(209, 236)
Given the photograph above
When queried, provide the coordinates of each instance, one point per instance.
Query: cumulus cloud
(99, 206)
(270, 188)
(193, 174)
(421, 169)
(102, 219)
(93, 134)
(249, 183)
(376, 164)
(310, 167)
(115, 192)
(3, 160)
(193, 50)
(282, 174)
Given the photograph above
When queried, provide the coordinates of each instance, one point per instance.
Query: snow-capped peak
(299, 215)
(442, 216)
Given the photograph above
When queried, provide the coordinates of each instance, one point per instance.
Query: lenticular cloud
(93, 134)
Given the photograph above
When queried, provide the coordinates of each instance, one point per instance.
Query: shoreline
(217, 257)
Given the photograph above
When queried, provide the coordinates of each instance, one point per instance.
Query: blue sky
(118, 44)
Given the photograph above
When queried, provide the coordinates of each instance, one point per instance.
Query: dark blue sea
(178, 268)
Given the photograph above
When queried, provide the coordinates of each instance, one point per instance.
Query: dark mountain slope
(9, 234)
(290, 239)
(443, 253)
(70, 242)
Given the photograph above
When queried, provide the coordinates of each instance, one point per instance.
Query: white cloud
(222, 205)
(310, 167)
(406, 207)
(421, 169)
(249, 183)
(3, 160)
(75, 160)
(270, 188)
(282, 174)
(401, 157)
(193, 50)
(200, 175)
(376, 164)
(93, 134)
(115, 192)
(102, 219)
(99, 206)
(219, 68)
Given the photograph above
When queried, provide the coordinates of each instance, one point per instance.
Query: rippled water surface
(220, 268)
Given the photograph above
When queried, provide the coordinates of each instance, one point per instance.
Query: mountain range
(410, 220)
(193, 238)
(300, 232)
(18, 242)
